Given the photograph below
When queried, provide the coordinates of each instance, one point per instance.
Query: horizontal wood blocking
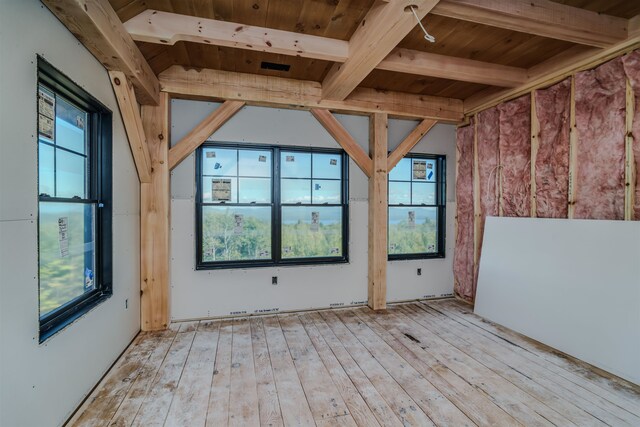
(130, 112)
(96, 25)
(167, 28)
(290, 93)
(540, 17)
(202, 131)
(342, 137)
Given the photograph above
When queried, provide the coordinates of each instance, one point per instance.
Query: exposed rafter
(540, 17)
(169, 28)
(342, 137)
(384, 26)
(266, 90)
(202, 131)
(409, 142)
(96, 25)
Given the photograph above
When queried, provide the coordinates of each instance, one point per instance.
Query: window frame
(440, 205)
(276, 208)
(99, 194)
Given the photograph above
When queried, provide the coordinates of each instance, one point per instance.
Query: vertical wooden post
(629, 164)
(154, 220)
(535, 143)
(477, 210)
(378, 212)
(573, 150)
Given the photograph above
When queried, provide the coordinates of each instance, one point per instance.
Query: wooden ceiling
(338, 19)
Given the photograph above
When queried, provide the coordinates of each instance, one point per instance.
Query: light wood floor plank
(358, 408)
(190, 402)
(268, 402)
(218, 407)
(243, 399)
(402, 404)
(324, 399)
(293, 402)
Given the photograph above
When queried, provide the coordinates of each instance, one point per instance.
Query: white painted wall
(41, 385)
(571, 284)
(199, 294)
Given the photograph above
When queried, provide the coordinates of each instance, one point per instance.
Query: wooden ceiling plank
(268, 90)
(96, 25)
(169, 28)
(540, 17)
(344, 138)
(384, 26)
(202, 131)
(409, 142)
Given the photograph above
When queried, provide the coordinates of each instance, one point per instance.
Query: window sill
(68, 318)
(288, 263)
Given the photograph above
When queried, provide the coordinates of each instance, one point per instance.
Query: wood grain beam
(409, 142)
(96, 25)
(202, 131)
(384, 26)
(540, 17)
(130, 112)
(169, 28)
(154, 221)
(378, 213)
(559, 67)
(342, 137)
(291, 93)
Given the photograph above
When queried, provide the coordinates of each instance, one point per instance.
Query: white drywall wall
(571, 284)
(41, 385)
(208, 293)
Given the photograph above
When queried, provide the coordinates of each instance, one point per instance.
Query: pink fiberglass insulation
(488, 158)
(631, 64)
(600, 123)
(553, 108)
(515, 156)
(463, 269)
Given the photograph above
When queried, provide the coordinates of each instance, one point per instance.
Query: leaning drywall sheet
(553, 107)
(515, 156)
(600, 123)
(463, 259)
(631, 64)
(571, 284)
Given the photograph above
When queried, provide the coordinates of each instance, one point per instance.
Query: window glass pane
(326, 191)
(219, 190)
(71, 123)
(424, 170)
(232, 233)
(45, 170)
(401, 171)
(255, 190)
(67, 257)
(424, 193)
(311, 231)
(255, 163)
(294, 164)
(295, 191)
(399, 193)
(219, 162)
(70, 174)
(413, 230)
(327, 166)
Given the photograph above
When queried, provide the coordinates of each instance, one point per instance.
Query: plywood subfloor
(421, 364)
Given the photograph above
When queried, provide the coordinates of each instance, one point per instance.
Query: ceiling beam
(344, 138)
(540, 17)
(169, 28)
(202, 131)
(290, 93)
(96, 25)
(409, 142)
(384, 26)
(559, 67)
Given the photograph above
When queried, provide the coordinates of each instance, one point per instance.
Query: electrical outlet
(419, 272)
(126, 304)
(274, 280)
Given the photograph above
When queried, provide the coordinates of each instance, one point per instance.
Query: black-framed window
(270, 205)
(417, 200)
(74, 200)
